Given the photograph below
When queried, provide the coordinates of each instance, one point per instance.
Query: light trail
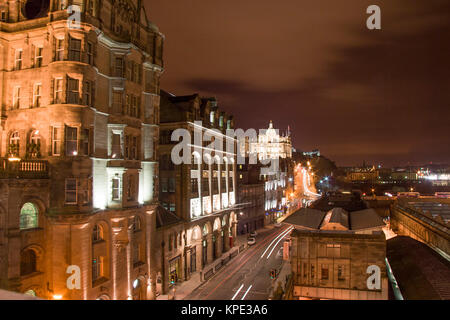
(280, 235)
(245, 294)
(305, 184)
(237, 292)
(245, 258)
(279, 241)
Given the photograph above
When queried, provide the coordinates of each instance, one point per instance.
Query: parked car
(251, 241)
(253, 234)
(277, 225)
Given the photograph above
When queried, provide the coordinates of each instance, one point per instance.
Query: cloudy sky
(356, 94)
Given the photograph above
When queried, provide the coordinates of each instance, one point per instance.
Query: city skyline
(340, 83)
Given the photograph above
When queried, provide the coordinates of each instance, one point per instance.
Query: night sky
(356, 94)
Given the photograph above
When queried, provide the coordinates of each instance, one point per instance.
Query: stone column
(209, 256)
(226, 235)
(218, 236)
(151, 253)
(129, 261)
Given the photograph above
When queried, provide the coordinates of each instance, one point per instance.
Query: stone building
(251, 197)
(79, 129)
(334, 254)
(199, 194)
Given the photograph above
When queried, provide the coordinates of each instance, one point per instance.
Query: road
(247, 277)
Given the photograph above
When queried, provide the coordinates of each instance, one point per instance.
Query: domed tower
(79, 90)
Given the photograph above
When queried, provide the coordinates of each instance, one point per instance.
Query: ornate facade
(79, 129)
(200, 195)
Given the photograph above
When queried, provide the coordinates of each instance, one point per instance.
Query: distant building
(272, 145)
(332, 253)
(312, 154)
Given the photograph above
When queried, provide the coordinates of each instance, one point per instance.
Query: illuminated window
(14, 144)
(118, 67)
(18, 59)
(116, 188)
(97, 268)
(116, 148)
(16, 97)
(35, 144)
(341, 272)
(28, 216)
(86, 141)
(97, 233)
(211, 117)
(71, 141)
(58, 90)
(71, 191)
(324, 272)
(74, 49)
(73, 93)
(56, 141)
(90, 53)
(59, 49)
(91, 7)
(37, 92)
(38, 56)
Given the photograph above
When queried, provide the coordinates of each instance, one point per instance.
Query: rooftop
(335, 219)
(421, 273)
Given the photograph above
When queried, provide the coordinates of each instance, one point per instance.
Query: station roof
(421, 273)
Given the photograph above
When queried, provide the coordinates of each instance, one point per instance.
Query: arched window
(14, 144)
(35, 137)
(97, 233)
(34, 147)
(27, 262)
(205, 230)
(28, 216)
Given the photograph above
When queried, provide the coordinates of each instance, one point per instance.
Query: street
(247, 277)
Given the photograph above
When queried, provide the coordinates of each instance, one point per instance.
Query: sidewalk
(183, 289)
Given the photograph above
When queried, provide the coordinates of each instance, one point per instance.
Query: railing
(25, 169)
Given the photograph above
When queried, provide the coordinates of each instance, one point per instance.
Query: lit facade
(200, 194)
(272, 145)
(80, 110)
